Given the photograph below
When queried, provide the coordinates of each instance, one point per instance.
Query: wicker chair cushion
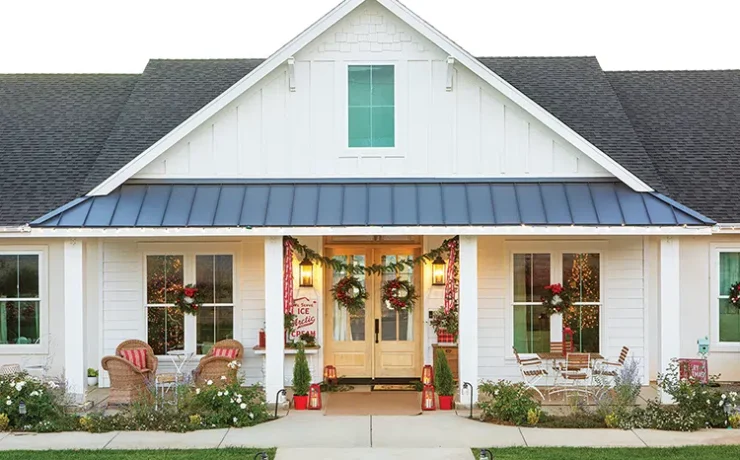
(227, 352)
(137, 356)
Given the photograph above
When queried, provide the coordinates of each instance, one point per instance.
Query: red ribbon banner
(450, 286)
(287, 276)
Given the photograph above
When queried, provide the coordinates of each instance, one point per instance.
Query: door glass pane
(346, 326)
(396, 325)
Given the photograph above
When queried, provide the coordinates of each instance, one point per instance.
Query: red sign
(306, 312)
(693, 368)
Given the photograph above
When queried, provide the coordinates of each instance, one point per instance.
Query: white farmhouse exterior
(298, 146)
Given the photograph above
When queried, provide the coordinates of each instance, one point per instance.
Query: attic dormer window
(372, 118)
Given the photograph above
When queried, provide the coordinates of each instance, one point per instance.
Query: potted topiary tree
(301, 379)
(444, 383)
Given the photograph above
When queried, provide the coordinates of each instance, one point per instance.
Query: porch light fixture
(306, 273)
(438, 272)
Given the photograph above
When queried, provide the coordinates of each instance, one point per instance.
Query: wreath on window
(398, 294)
(350, 294)
(735, 295)
(187, 300)
(556, 299)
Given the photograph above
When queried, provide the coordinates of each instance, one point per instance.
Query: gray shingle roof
(51, 130)
(61, 135)
(166, 94)
(689, 123)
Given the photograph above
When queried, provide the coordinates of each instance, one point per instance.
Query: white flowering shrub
(229, 405)
(41, 401)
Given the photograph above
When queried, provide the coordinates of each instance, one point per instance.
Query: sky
(113, 36)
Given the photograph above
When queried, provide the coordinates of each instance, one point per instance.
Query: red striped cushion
(137, 356)
(227, 352)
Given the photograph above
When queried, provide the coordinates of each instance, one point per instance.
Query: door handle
(377, 329)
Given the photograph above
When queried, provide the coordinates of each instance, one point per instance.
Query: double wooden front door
(379, 342)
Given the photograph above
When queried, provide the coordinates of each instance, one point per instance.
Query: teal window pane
(383, 87)
(359, 86)
(729, 271)
(360, 134)
(729, 322)
(383, 126)
(371, 98)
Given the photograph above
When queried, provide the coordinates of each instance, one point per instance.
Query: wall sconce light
(438, 272)
(306, 273)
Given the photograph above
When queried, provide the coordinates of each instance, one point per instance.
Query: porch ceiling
(372, 203)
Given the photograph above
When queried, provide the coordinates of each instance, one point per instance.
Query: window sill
(724, 347)
(11, 349)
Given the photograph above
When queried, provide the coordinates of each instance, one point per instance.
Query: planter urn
(300, 402)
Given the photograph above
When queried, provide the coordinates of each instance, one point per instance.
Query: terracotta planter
(300, 402)
(446, 402)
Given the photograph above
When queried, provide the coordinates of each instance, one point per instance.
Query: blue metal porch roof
(389, 203)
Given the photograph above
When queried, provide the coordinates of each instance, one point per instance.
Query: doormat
(394, 388)
(373, 403)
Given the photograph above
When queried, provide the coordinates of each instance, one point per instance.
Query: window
(371, 118)
(165, 323)
(215, 321)
(167, 327)
(19, 299)
(531, 322)
(581, 273)
(729, 316)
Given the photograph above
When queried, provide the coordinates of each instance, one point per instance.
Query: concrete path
(312, 435)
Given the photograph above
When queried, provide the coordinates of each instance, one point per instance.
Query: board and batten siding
(124, 315)
(622, 315)
(471, 131)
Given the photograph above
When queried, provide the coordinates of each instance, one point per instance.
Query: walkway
(310, 435)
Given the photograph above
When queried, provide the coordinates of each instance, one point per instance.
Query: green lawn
(210, 454)
(640, 453)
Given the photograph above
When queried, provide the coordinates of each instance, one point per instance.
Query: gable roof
(52, 128)
(321, 26)
(689, 123)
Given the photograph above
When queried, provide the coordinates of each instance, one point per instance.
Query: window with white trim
(167, 327)
(20, 299)
(580, 274)
(728, 314)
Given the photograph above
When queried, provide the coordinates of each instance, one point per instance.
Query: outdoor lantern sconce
(306, 273)
(438, 272)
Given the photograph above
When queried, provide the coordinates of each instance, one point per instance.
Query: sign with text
(305, 322)
(693, 368)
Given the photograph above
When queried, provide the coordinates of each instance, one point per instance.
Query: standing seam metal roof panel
(375, 204)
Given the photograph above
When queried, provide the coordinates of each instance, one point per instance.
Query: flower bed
(34, 405)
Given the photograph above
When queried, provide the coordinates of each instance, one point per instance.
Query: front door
(378, 342)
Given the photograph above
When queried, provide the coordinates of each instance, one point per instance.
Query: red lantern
(427, 375)
(330, 375)
(314, 397)
(567, 340)
(427, 398)
(262, 338)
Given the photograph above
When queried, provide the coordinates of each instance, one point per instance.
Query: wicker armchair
(213, 367)
(127, 382)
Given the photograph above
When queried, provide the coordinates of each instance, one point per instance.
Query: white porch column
(669, 311)
(74, 320)
(468, 336)
(274, 332)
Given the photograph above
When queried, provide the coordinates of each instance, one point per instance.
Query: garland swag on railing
(448, 245)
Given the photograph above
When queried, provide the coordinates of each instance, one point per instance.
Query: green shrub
(231, 405)
(615, 403)
(509, 402)
(42, 401)
(301, 373)
(695, 406)
(444, 381)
